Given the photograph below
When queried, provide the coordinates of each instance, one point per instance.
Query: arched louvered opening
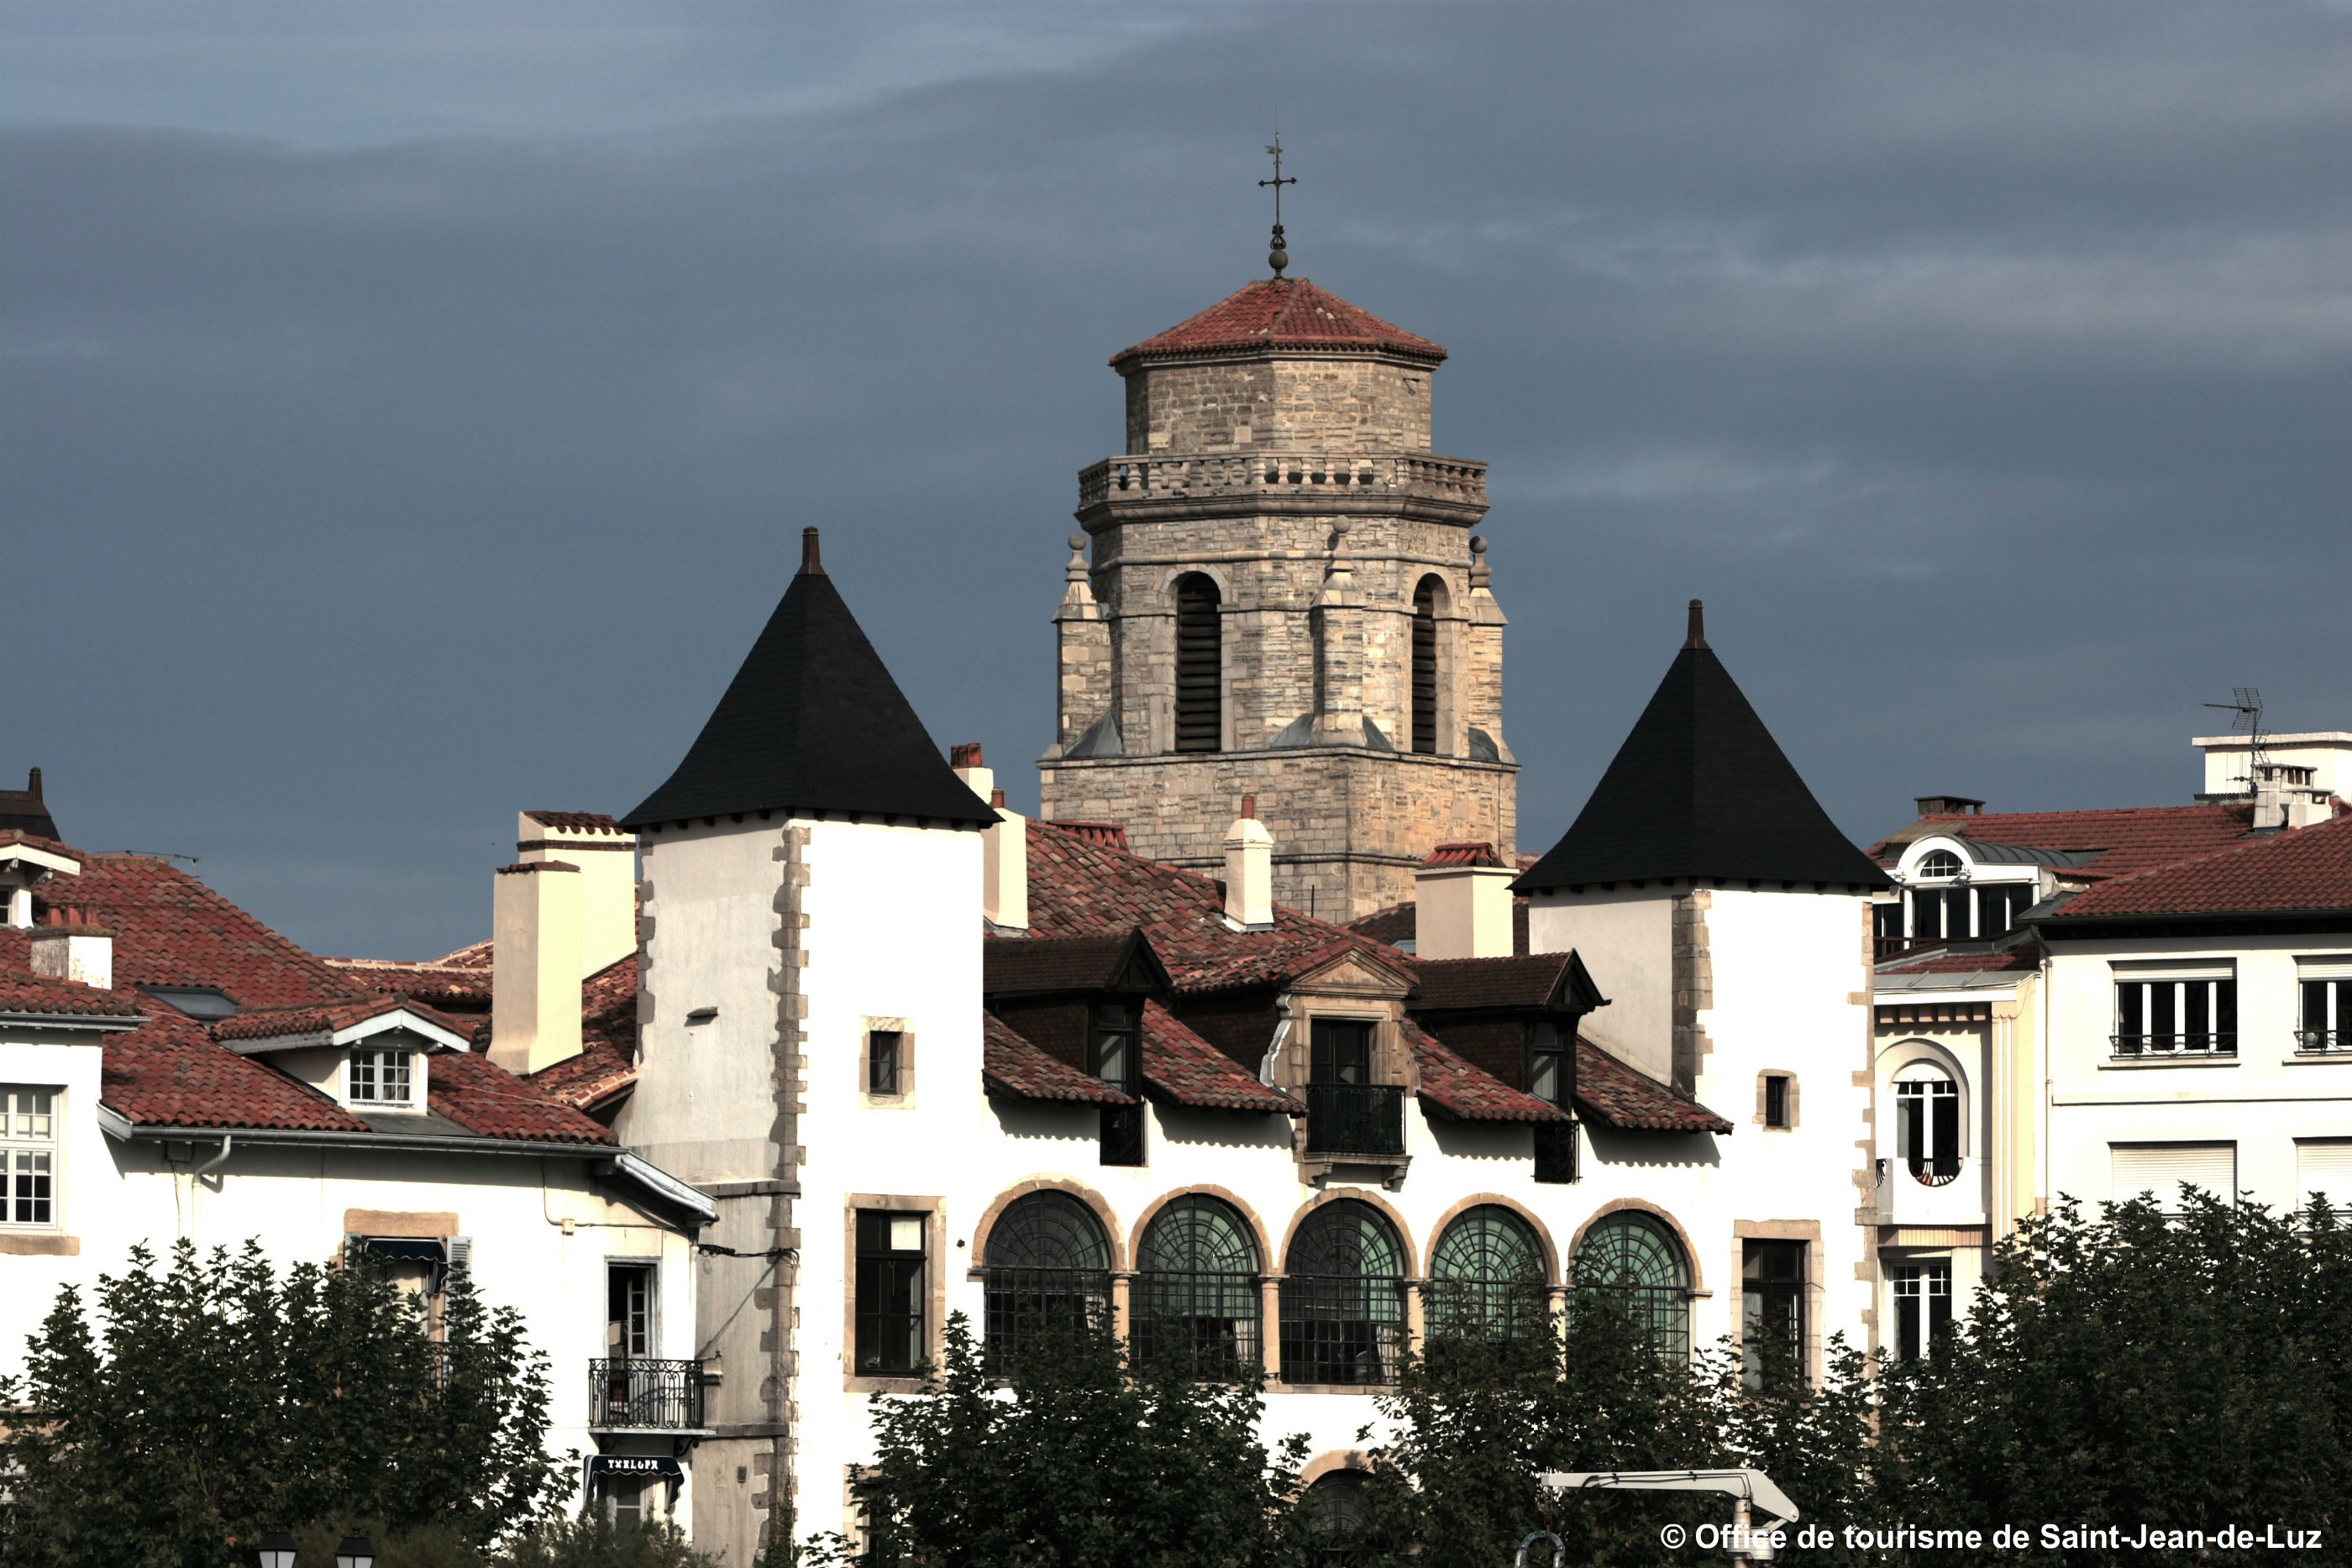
(1424, 666)
(1486, 1276)
(1047, 1269)
(1200, 665)
(1343, 1298)
(1631, 1259)
(1196, 1288)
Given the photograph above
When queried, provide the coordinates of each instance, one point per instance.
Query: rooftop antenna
(1277, 257)
(2246, 704)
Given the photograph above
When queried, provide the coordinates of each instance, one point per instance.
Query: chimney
(1004, 866)
(2286, 797)
(71, 950)
(1462, 903)
(535, 967)
(1249, 870)
(1947, 806)
(606, 860)
(965, 759)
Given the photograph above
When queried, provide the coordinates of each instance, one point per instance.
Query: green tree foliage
(2188, 1371)
(196, 1405)
(1071, 1456)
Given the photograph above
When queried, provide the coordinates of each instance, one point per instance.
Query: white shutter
(2175, 969)
(2324, 1167)
(461, 1253)
(2163, 1168)
(2330, 966)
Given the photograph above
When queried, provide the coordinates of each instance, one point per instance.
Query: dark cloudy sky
(410, 409)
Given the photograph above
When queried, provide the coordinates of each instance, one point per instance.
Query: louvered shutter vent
(461, 1253)
(2163, 1168)
(1424, 670)
(1199, 679)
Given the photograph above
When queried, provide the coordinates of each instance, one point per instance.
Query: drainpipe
(228, 1140)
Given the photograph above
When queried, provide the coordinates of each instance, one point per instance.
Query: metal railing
(2135, 1046)
(2322, 1041)
(646, 1394)
(1355, 1119)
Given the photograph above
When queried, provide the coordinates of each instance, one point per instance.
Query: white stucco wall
(1625, 937)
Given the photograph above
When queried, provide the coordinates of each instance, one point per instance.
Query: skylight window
(206, 1002)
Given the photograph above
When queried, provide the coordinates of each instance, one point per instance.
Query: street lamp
(276, 1549)
(356, 1552)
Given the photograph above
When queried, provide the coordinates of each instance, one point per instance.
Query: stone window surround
(1393, 1064)
(1790, 1102)
(905, 1099)
(1808, 1231)
(936, 1274)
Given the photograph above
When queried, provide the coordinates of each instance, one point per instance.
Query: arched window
(1487, 1275)
(1196, 1294)
(1200, 664)
(1424, 666)
(1048, 1266)
(1334, 1511)
(1937, 862)
(1636, 1261)
(1927, 1122)
(1343, 1298)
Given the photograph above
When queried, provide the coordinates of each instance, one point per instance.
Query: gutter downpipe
(229, 1141)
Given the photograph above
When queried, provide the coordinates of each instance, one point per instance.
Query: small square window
(1776, 1100)
(883, 1051)
(383, 1078)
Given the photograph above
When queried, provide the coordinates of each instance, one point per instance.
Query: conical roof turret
(812, 722)
(1700, 791)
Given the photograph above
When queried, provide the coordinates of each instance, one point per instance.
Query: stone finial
(1481, 574)
(1078, 593)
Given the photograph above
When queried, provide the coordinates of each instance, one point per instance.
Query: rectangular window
(2326, 1021)
(1122, 1135)
(1997, 907)
(381, 1078)
(628, 1310)
(29, 1156)
(1556, 1152)
(1548, 1062)
(1923, 1307)
(882, 1047)
(1776, 1098)
(2176, 1015)
(1772, 1310)
(1341, 1052)
(1115, 1057)
(892, 1285)
(2163, 1169)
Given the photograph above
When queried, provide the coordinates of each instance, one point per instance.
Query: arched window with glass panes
(1927, 1122)
(1196, 1288)
(1343, 1297)
(1631, 1259)
(1486, 1277)
(1047, 1271)
(1333, 1511)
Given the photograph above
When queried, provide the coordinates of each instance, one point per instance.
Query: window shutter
(2162, 1168)
(461, 1253)
(2337, 966)
(2325, 1168)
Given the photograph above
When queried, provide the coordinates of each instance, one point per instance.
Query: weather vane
(1277, 257)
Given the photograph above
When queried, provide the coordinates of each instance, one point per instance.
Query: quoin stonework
(1284, 601)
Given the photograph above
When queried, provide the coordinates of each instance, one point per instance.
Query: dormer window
(1937, 863)
(384, 1079)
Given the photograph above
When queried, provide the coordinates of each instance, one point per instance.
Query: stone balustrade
(1197, 474)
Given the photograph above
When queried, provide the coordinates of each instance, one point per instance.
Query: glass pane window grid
(1937, 863)
(1486, 1276)
(1630, 1259)
(629, 1303)
(382, 1077)
(1343, 1298)
(882, 1050)
(1341, 1052)
(890, 1286)
(1196, 1288)
(2326, 1015)
(1927, 1127)
(28, 1156)
(1114, 1051)
(1923, 1307)
(2176, 1018)
(1556, 1152)
(1772, 1309)
(1547, 1062)
(1047, 1268)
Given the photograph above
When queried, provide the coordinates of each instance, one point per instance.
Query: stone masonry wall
(1291, 402)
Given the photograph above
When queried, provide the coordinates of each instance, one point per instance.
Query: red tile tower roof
(1281, 313)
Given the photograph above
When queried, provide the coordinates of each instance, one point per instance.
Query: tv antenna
(2245, 705)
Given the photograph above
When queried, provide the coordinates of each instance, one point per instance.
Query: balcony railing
(1142, 477)
(2324, 1041)
(1355, 1119)
(2136, 1047)
(644, 1394)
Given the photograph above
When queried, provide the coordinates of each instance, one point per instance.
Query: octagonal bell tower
(1277, 594)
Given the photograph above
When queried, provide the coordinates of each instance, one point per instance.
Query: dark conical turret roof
(812, 722)
(1701, 790)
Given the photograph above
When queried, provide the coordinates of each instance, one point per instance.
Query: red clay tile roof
(1036, 966)
(462, 989)
(171, 1073)
(575, 822)
(2130, 837)
(23, 993)
(589, 1080)
(1454, 1088)
(1188, 1069)
(20, 836)
(1463, 854)
(490, 1100)
(171, 930)
(1013, 1067)
(1609, 1093)
(1530, 981)
(2028, 957)
(325, 1018)
(1079, 887)
(1276, 313)
(2303, 869)
(1111, 835)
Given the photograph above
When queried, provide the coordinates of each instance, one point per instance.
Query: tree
(2187, 1370)
(210, 1400)
(1069, 1455)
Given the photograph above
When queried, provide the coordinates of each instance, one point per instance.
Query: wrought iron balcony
(2324, 1041)
(1355, 1119)
(2159, 1047)
(644, 1394)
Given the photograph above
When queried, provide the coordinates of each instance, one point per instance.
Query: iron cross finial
(1277, 257)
